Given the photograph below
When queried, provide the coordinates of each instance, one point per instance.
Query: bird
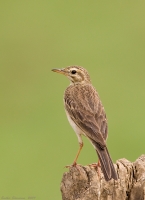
(87, 116)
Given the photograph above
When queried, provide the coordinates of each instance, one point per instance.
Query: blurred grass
(36, 36)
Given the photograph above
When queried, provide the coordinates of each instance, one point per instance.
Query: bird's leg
(96, 167)
(78, 153)
(99, 169)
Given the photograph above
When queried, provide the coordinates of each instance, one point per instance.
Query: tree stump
(83, 182)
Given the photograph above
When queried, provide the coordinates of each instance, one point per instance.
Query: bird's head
(76, 74)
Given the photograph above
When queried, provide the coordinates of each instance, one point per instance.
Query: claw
(96, 166)
(73, 165)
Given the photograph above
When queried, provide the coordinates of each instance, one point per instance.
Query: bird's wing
(86, 110)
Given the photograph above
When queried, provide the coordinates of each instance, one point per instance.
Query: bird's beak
(60, 71)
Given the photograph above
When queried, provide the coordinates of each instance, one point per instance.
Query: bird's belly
(77, 130)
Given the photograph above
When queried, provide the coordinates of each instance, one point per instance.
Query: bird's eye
(73, 71)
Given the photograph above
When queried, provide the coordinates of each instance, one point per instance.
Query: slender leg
(96, 167)
(78, 153)
(99, 170)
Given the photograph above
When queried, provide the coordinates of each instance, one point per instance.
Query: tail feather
(106, 163)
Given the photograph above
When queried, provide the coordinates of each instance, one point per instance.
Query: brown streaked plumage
(86, 115)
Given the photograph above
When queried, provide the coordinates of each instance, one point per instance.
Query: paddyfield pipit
(86, 115)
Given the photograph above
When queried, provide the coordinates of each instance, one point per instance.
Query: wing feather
(85, 109)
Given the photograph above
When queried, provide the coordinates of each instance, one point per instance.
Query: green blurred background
(36, 141)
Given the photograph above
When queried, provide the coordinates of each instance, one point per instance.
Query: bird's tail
(107, 166)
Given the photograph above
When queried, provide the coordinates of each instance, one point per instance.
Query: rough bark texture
(83, 183)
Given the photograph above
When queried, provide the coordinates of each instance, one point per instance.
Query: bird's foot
(96, 166)
(73, 165)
